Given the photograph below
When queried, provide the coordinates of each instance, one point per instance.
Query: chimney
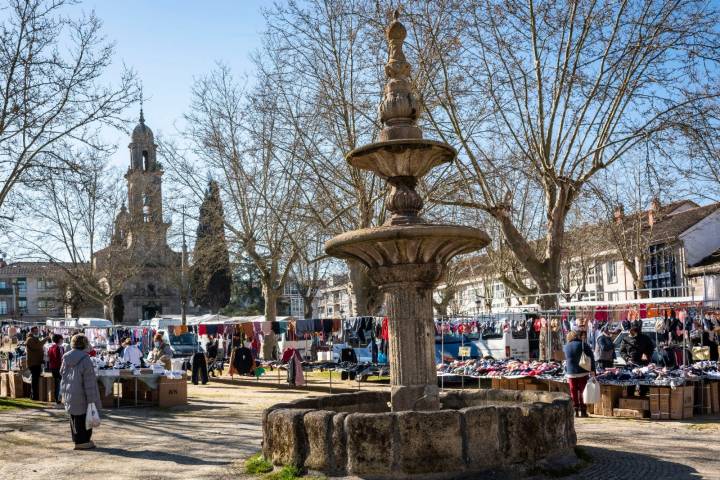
(619, 214)
(654, 211)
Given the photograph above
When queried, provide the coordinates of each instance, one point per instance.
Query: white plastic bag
(591, 394)
(92, 417)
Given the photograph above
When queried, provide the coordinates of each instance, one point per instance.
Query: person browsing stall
(577, 376)
(131, 353)
(55, 356)
(161, 353)
(35, 357)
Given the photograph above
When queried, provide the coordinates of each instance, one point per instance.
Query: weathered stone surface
(429, 442)
(369, 443)
(339, 443)
(494, 428)
(318, 428)
(513, 441)
(287, 442)
(483, 437)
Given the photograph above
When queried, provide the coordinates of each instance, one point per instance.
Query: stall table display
(669, 394)
(141, 387)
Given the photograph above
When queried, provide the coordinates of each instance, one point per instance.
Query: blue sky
(168, 43)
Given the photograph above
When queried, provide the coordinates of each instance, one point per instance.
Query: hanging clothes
(269, 347)
(242, 361)
(294, 368)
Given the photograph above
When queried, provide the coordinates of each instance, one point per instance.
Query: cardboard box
(49, 382)
(659, 403)
(629, 413)
(107, 400)
(609, 399)
(629, 403)
(536, 387)
(496, 383)
(172, 392)
(715, 396)
(16, 388)
(128, 389)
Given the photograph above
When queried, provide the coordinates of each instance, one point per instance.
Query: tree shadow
(158, 456)
(611, 464)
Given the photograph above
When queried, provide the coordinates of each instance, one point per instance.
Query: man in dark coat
(636, 347)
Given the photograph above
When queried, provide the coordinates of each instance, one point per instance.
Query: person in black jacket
(636, 347)
(212, 351)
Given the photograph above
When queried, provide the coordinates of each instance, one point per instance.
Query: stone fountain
(414, 431)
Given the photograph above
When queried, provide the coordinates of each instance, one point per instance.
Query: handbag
(591, 394)
(585, 362)
(92, 417)
(701, 353)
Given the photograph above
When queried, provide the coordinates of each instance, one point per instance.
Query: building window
(46, 305)
(3, 307)
(21, 286)
(45, 283)
(612, 272)
(3, 284)
(22, 305)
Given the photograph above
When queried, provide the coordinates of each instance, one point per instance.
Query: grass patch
(257, 464)
(18, 403)
(287, 472)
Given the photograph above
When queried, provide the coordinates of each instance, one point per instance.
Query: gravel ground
(210, 438)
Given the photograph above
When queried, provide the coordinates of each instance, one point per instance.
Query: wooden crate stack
(632, 408)
(668, 403)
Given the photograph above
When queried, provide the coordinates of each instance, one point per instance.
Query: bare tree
(310, 269)
(557, 91)
(68, 222)
(324, 60)
(49, 92)
(240, 139)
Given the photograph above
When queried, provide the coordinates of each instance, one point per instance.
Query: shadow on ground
(608, 464)
(156, 455)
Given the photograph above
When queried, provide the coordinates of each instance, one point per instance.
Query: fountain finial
(399, 109)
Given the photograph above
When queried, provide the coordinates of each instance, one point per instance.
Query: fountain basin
(356, 434)
(406, 244)
(401, 158)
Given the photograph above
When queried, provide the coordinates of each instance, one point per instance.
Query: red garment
(92, 352)
(577, 386)
(202, 329)
(287, 354)
(384, 332)
(537, 325)
(55, 354)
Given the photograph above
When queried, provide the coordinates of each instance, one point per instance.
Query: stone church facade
(145, 270)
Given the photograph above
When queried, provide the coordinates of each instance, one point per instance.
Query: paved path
(210, 438)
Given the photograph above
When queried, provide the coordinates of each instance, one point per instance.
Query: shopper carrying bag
(80, 393)
(591, 394)
(579, 365)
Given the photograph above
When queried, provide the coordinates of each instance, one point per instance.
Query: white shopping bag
(92, 417)
(591, 394)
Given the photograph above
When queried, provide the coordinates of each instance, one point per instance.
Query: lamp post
(183, 261)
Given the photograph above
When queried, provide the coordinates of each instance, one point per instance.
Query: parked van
(183, 345)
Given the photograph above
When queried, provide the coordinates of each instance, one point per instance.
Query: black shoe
(577, 413)
(583, 412)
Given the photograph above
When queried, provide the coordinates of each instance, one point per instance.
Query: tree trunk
(307, 307)
(271, 296)
(367, 296)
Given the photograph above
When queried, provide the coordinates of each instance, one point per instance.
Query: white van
(513, 343)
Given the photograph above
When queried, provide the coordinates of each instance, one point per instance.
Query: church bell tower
(144, 181)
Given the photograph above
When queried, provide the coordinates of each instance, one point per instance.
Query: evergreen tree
(210, 276)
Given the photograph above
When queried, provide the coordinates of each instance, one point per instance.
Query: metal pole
(183, 291)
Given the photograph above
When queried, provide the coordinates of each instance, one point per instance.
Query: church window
(146, 159)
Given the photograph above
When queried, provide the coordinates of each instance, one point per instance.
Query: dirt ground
(211, 437)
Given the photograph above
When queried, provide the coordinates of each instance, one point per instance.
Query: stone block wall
(356, 434)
